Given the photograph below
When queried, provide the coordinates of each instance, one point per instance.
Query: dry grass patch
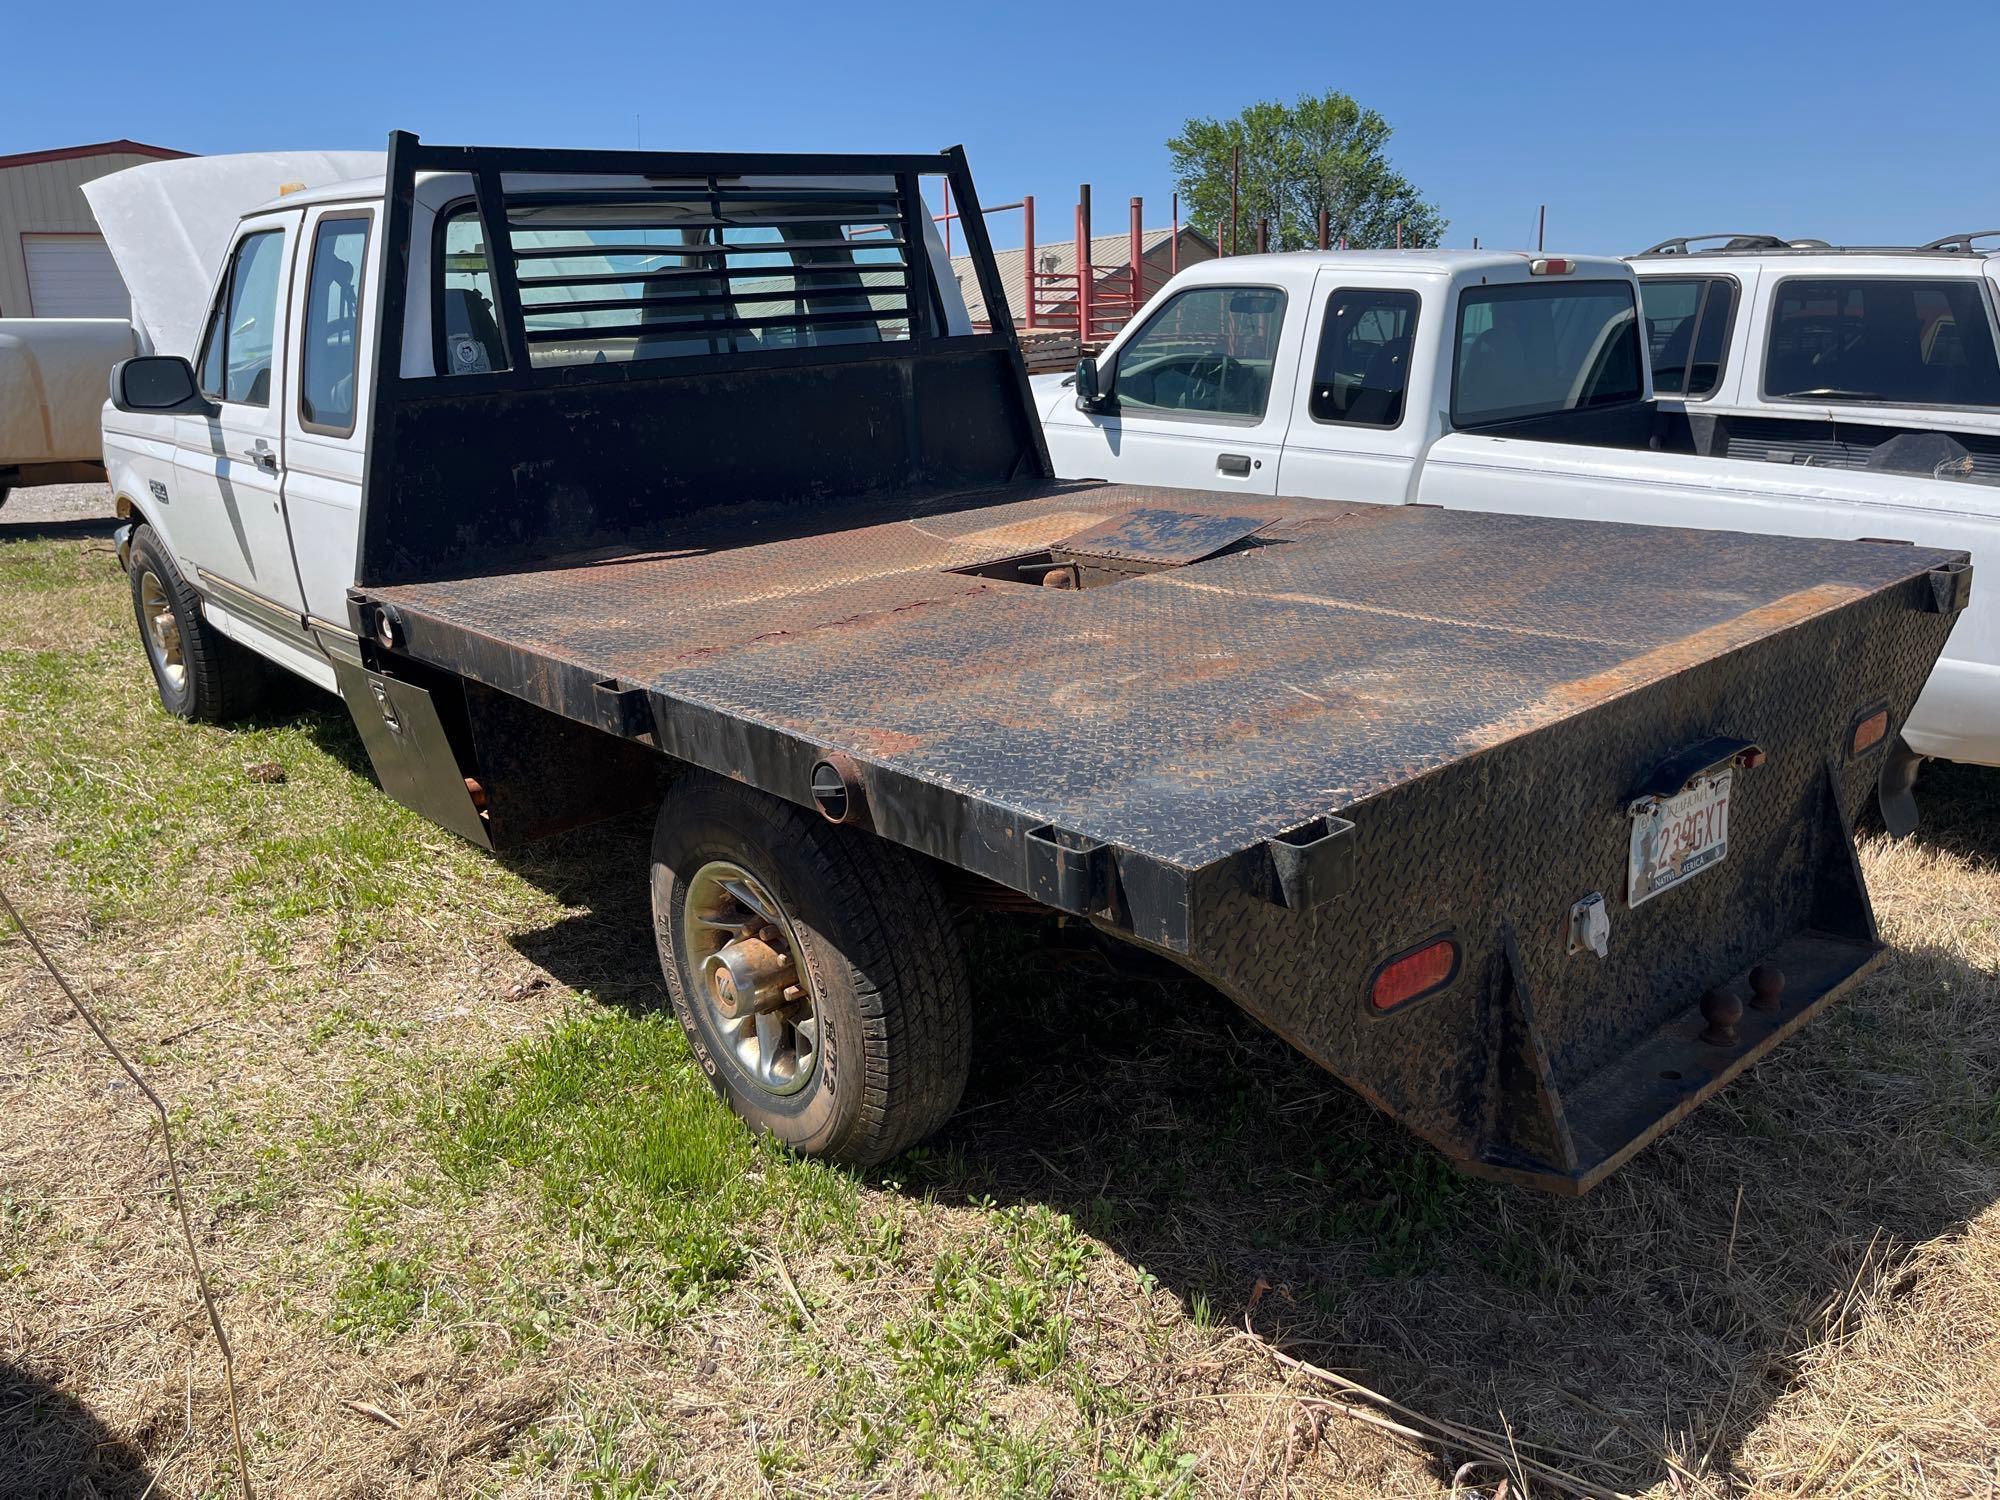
(479, 1228)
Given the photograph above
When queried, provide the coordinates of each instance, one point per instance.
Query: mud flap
(410, 750)
(1895, 793)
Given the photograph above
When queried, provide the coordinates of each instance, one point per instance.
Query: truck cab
(1326, 374)
(255, 483)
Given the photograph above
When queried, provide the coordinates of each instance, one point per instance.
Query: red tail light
(1551, 265)
(1869, 732)
(1411, 976)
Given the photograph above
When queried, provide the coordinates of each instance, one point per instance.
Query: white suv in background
(1800, 352)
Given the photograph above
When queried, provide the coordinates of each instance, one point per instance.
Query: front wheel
(201, 674)
(815, 970)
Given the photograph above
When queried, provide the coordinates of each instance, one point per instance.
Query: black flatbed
(1183, 715)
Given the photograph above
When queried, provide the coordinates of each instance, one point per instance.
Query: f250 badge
(159, 490)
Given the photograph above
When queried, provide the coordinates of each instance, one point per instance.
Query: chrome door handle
(260, 453)
(1237, 464)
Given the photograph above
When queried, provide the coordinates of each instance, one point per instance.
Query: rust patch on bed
(1668, 659)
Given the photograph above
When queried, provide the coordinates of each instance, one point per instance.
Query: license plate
(1676, 838)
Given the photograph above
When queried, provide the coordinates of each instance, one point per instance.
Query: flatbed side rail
(538, 455)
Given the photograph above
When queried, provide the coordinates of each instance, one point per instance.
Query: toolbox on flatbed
(1534, 832)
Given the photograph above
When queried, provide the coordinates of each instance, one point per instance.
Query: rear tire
(815, 969)
(200, 673)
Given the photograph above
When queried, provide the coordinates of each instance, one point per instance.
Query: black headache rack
(784, 304)
(1326, 757)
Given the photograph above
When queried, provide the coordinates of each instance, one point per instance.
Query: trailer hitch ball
(1721, 1008)
(836, 789)
(746, 977)
(1767, 983)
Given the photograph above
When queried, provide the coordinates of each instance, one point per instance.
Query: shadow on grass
(606, 949)
(51, 1444)
(52, 529)
(1204, 1150)
(1958, 809)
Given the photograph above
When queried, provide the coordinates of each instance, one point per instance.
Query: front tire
(200, 673)
(815, 970)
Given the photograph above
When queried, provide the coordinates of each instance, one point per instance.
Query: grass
(479, 1227)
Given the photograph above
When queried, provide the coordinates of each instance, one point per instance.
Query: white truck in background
(53, 376)
(1800, 352)
(1482, 380)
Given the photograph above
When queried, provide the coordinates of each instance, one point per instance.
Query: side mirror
(159, 385)
(1088, 396)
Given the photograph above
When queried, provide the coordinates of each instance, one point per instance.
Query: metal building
(53, 261)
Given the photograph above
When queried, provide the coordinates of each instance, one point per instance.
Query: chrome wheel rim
(163, 630)
(758, 998)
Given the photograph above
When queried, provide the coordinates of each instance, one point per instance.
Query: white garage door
(73, 276)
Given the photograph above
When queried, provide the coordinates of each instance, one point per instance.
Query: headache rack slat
(712, 273)
(859, 316)
(582, 197)
(693, 305)
(582, 252)
(881, 214)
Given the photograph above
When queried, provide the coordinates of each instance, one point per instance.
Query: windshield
(1906, 343)
(1538, 347)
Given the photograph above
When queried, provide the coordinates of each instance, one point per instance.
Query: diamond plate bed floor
(1184, 713)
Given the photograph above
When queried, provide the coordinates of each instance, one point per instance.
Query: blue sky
(1847, 121)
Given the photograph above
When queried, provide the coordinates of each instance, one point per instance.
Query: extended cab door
(334, 291)
(1198, 398)
(228, 507)
(1362, 416)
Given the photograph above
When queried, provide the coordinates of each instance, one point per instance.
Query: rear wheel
(201, 674)
(815, 970)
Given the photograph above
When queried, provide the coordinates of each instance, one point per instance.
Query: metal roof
(96, 148)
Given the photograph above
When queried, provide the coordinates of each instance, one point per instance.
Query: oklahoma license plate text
(1679, 838)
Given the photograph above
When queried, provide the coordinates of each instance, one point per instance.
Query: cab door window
(236, 351)
(1687, 331)
(1210, 351)
(1364, 358)
(330, 351)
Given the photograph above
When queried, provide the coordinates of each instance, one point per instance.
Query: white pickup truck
(596, 481)
(1480, 380)
(1800, 352)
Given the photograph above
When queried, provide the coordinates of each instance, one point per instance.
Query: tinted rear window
(1902, 342)
(1540, 347)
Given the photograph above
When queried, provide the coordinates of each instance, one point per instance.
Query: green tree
(1325, 151)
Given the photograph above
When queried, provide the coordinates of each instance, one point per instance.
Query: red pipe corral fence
(1088, 298)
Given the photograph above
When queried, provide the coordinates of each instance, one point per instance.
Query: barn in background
(53, 261)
